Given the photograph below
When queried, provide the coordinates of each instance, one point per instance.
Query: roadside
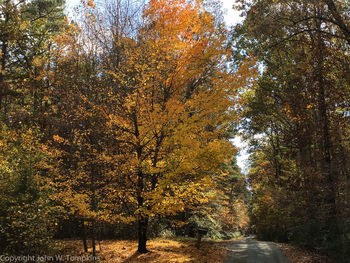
(295, 254)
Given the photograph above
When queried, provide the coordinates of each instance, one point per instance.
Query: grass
(161, 251)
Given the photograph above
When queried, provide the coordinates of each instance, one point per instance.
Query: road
(249, 250)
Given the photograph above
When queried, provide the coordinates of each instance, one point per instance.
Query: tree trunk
(2, 67)
(142, 234)
(93, 244)
(325, 143)
(83, 237)
(99, 237)
(198, 241)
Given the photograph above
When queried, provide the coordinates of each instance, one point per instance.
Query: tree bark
(83, 237)
(3, 59)
(198, 241)
(143, 219)
(325, 144)
(142, 234)
(93, 241)
(93, 247)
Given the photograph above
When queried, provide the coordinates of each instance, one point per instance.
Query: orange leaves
(162, 103)
(88, 3)
(164, 250)
(58, 139)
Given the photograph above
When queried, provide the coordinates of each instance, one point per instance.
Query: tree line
(297, 120)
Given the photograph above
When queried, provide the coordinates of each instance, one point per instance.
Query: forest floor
(161, 251)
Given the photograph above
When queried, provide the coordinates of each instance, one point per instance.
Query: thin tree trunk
(325, 143)
(83, 236)
(143, 220)
(3, 59)
(99, 229)
(198, 241)
(93, 239)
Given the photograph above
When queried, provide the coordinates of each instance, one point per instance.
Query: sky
(231, 18)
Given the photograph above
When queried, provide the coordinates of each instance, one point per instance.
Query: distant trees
(26, 32)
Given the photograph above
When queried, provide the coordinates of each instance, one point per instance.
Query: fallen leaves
(161, 251)
(296, 254)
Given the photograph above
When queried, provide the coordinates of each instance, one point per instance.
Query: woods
(121, 118)
(300, 103)
(117, 123)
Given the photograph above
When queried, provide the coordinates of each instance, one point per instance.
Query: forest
(117, 122)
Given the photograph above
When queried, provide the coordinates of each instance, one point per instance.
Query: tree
(175, 111)
(164, 99)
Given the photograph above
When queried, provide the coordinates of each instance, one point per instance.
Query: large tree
(165, 101)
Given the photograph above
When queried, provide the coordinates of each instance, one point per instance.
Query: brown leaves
(162, 251)
(296, 254)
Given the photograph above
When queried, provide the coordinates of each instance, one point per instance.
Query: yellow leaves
(178, 223)
(91, 3)
(37, 62)
(78, 203)
(58, 139)
(164, 113)
(175, 21)
(23, 25)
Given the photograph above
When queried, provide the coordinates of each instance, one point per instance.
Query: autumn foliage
(117, 122)
(297, 121)
(123, 116)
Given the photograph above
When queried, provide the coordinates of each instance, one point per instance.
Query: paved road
(249, 250)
